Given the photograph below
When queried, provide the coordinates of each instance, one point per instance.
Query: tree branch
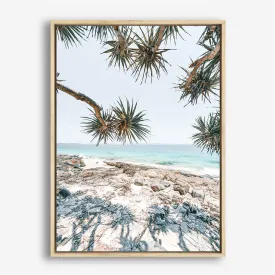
(84, 98)
(213, 28)
(160, 37)
(199, 62)
(120, 37)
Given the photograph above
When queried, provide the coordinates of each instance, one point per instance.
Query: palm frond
(148, 60)
(71, 35)
(58, 80)
(129, 123)
(209, 39)
(101, 33)
(210, 36)
(208, 136)
(171, 33)
(120, 53)
(123, 122)
(91, 125)
(213, 64)
(202, 85)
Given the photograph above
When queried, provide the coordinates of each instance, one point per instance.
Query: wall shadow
(45, 130)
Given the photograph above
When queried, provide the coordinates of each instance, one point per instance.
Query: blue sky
(86, 70)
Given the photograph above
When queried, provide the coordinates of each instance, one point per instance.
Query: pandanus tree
(140, 51)
(121, 122)
(118, 123)
(201, 82)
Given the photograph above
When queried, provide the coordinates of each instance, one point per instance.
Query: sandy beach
(91, 163)
(115, 206)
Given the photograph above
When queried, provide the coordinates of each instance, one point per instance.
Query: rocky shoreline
(126, 207)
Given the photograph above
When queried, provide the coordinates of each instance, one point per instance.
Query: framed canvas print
(137, 138)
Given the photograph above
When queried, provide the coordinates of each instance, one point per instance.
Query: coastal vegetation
(140, 51)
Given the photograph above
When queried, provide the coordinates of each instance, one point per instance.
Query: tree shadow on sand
(181, 219)
(160, 221)
(99, 216)
(89, 209)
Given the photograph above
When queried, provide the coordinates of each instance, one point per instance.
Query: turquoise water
(186, 158)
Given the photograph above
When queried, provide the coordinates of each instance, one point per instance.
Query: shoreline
(95, 162)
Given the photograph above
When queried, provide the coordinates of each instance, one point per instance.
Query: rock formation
(125, 207)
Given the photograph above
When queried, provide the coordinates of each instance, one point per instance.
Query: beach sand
(92, 163)
(115, 206)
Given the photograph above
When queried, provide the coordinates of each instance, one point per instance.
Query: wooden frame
(53, 138)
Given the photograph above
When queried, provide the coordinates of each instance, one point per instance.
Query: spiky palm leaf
(208, 136)
(91, 125)
(120, 54)
(209, 39)
(101, 33)
(203, 84)
(147, 59)
(71, 35)
(213, 64)
(211, 36)
(129, 123)
(58, 80)
(171, 33)
(123, 123)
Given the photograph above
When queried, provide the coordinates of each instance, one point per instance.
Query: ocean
(184, 157)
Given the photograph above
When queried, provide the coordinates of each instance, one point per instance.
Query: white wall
(24, 112)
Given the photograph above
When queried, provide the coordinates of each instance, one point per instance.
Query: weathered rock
(190, 175)
(82, 163)
(151, 174)
(195, 202)
(120, 165)
(139, 181)
(115, 209)
(158, 186)
(198, 193)
(177, 199)
(170, 176)
(87, 173)
(64, 193)
(165, 198)
(71, 173)
(75, 162)
(165, 183)
(62, 174)
(214, 208)
(155, 187)
(129, 171)
(182, 188)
